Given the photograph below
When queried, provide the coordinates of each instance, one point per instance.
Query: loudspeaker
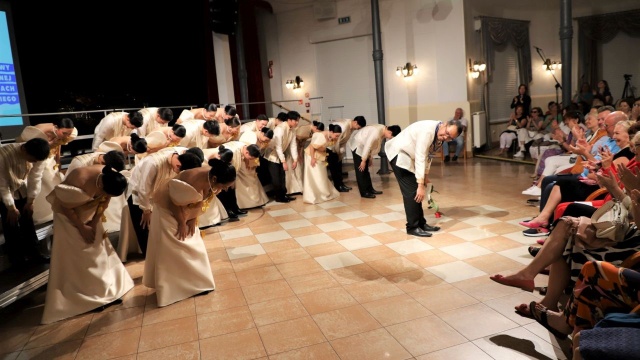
(224, 16)
(326, 9)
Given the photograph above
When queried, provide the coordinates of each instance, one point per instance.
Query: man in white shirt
(336, 153)
(284, 138)
(409, 153)
(364, 144)
(147, 176)
(21, 169)
(459, 141)
(261, 121)
(153, 119)
(115, 124)
(198, 133)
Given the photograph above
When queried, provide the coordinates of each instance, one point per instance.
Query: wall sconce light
(295, 84)
(476, 68)
(551, 66)
(407, 70)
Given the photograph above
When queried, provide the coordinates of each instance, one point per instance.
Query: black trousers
(335, 168)
(409, 187)
(228, 199)
(362, 177)
(278, 180)
(21, 239)
(263, 172)
(136, 217)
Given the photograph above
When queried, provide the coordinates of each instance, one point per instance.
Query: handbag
(611, 220)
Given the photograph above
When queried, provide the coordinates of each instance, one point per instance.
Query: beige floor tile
(214, 244)
(219, 300)
(355, 273)
(273, 227)
(134, 298)
(287, 256)
(492, 321)
(110, 345)
(324, 219)
(325, 249)
(61, 331)
(430, 258)
(443, 298)
(168, 333)
(299, 267)
(106, 322)
(277, 310)
(458, 352)
(281, 245)
(311, 282)
(364, 221)
(345, 234)
(224, 322)
(392, 236)
(290, 335)
(290, 217)
(62, 351)
(415, 280)
(307, 230)
(374, 253)
(253, 262)
(241, 241)
(393, 265)
(344, 322)
(367, 291)
(257, 276)
(425, 335)
(240, 345)
(497, 243)
(506, 305)
(267, 291)
(226, 281)
(219, 267)
(375, 344)
(181, 309)
(396, 309)
(185, 351)
(14, 339)
(326, 300)
(442, 239)
(494, 263)
(517, 344)
(322, 351)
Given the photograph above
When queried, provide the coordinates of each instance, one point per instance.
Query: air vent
(325, 10)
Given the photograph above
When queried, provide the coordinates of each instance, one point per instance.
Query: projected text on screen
(9, 97)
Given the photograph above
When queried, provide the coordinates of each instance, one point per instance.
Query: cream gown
(176, 269)
(317, 187)
(249, 190)
(82, 276)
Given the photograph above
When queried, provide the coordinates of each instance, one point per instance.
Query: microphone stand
(544, 60)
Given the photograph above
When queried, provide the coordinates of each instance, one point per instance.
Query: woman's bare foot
(515, 280)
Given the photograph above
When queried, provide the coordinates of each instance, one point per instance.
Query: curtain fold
(597, 30)
(499, 31)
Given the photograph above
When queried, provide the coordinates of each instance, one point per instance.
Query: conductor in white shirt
(409, 153)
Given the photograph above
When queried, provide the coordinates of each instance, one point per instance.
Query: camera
(627, 76)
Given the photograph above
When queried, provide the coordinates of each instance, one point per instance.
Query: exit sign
(344, 20)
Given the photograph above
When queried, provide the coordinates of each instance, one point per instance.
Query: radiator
(479, 120)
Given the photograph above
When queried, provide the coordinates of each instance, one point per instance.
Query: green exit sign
(344, 20)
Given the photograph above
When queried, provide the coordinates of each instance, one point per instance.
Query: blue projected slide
(9, 97)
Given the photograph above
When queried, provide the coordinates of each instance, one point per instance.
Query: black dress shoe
(368, 196)
(283, 200)
(347, 187)
(418, 232)
(427, 227)
(233, 218)
(241, 212)
(376, 192)
(343, 189)
(290, 198)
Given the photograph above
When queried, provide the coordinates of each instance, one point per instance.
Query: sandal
(540, 315)
(523, 310)
(534, 224)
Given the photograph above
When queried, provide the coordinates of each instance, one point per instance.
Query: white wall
(223, 68)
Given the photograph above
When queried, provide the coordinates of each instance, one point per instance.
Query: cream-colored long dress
(295, 178)
(317, 187)
(82, 276)
(176, 269)
(249, 190)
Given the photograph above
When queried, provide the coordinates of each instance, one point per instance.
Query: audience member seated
(459, 141)
(517, 121)
(584, 96)
(533, 131)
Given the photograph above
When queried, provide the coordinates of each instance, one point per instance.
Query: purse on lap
(611, 220)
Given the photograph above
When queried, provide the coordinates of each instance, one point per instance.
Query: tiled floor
(339, 280)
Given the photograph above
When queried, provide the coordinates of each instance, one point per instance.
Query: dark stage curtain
(497, 32)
